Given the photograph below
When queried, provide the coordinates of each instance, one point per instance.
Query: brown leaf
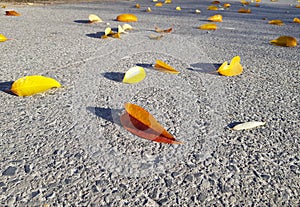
(158, 30)
(141, 123)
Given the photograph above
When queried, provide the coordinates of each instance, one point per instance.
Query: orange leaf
(234, 68)
(141, 123)
(215, 18)
(296, 20)
(243, 10)
(208, 27)
(12, 13)
(285, 41)
(127, 18)
(298, 6)
(276, 22)
(158, 30)
(226, 5)
(164, 67)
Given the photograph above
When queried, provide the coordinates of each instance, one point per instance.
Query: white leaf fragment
(248, 125)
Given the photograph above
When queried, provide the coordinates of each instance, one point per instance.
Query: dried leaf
(94, 18)
(244, 2)
(243, 10)
(141, 123)
(116, 35)
(212, 7)
(158, 30)
(215, 2)
(155, 37)
(227, 5)
(121, 30)
(298, 6)
(159, 4)
(3, 6)
(296, 20)
(12, 13)
(134, 75)
(30, 85)
(127, 27)
(137, 6)
(148, 9)
(164, 67)
(234, 68)
(285, 41)
(197, 11)
(108, 31)
(178, 8)
(248, 125)
(276, 22)
(2, 38)
(208, 26)
(216, 18)
(127, 18)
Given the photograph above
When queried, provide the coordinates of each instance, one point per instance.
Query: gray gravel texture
(66, 147)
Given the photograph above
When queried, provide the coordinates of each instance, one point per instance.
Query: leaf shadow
(108, 114)
(82, 21)
(6, 86)
(114, 76)
(96, 35)
(233, 124)
(210, 68)
(145, 65)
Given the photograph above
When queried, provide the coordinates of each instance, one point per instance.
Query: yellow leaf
(121, 30)
(94, 18)
(215, 18)
(296, 20)
(276, 22)
(108, 31)
(234, 68)
(226, 5)
(3, 6)
(127, 18)
(148, 9)
(127, 27)
(159, 4)
(245, 2)
(164, 67)
(285, 41)
(134, 75)
(137, 6)
(116, 35)
(2, 38)
(168, 1)
(30, 85)
(212, 7)
(243, 10)
(178, 8)
(104, 36)
(155, 0)
(208, 26)
(12, 13)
